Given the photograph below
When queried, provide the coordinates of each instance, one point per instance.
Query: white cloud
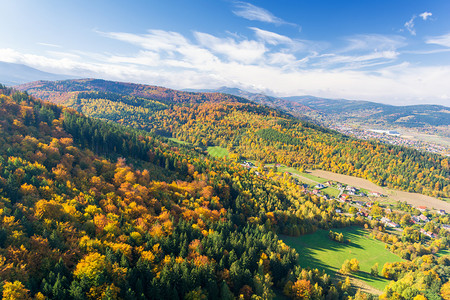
(270, 61)
(155, 39)
(442, 40)
(425, 15)
(50, 45)
(359, 61)
(271, 37)
(374, 42)
(254, 13)
(410, 25)
(246, 51)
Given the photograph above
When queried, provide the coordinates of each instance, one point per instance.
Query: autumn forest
(107, 192)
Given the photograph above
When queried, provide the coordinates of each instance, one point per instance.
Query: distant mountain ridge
(326, 111)
(14, 74)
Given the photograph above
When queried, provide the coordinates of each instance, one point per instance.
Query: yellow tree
(14, 290)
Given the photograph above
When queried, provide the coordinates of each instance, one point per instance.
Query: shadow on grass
(318, 251)
(319, 241)
(367, 277)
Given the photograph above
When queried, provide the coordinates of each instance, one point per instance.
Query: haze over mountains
(328, 111)
(320, 110)
(14, 74)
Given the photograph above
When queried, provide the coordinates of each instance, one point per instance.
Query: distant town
(390, 137)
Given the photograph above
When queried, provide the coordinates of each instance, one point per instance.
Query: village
(354, 201)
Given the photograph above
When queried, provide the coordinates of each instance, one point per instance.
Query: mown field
(217, 151)
(318, 251)
(178, 141)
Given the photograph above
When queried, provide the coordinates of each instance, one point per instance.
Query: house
(362, 194)
(422, 208)
(363, 212)
(416, 219)
(329, 183)
(338, 210)
(375, 194)
(423, 218)
(389, 223)
(351, 189)
(319, 186)
(427, 233)
(385, 220)
(388, 210)
(442, 212)
(392, 224)
(430, 234)
(359, 203)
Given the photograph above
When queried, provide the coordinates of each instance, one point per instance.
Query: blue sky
(395, 52)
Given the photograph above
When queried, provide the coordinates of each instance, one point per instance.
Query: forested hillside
(92, 209)
(148, 219)
(250, 131)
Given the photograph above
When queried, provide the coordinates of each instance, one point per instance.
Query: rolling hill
(248, 130)
(368, 114)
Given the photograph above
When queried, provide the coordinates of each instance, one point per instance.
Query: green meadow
(178, 141)
(217, 151)
(317, 250)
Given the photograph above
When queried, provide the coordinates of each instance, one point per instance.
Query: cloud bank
(364, 67)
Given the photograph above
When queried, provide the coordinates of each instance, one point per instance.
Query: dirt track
(411, 198)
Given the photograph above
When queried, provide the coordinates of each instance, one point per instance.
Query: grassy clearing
(443, 252)
(318, 251)
(178, 141)
(331, 191)
(312, 177)
(217, 151)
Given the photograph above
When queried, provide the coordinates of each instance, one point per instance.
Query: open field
(310, 179)
(432, 138)
(331, 191)
(411, 198)
(178, 141)
(443, 252)
(217, 151)
(318, 251)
